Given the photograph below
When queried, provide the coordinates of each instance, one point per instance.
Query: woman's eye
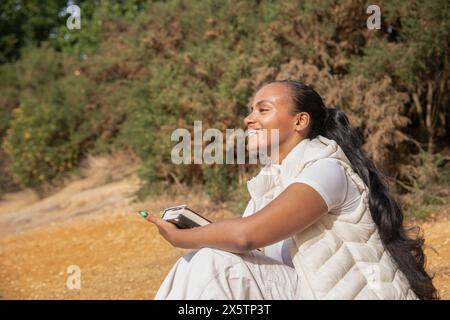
(263, 110)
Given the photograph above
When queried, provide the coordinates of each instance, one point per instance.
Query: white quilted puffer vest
(341, 255)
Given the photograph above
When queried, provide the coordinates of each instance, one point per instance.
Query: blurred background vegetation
(138, 69)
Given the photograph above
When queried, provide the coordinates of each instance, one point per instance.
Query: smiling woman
(319, 209)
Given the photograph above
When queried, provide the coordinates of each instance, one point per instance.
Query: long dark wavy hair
(333, 124)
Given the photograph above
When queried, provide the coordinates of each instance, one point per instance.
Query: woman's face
(271, 108)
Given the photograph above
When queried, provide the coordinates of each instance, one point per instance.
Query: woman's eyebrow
(260, 102)
(263, 101)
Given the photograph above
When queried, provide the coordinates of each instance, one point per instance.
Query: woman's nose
(249, 119)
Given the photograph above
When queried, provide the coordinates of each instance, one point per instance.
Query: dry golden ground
(437, 241)
(92, 223)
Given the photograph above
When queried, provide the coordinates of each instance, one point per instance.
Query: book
(184, 217)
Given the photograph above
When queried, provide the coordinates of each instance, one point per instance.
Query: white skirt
(220, 275)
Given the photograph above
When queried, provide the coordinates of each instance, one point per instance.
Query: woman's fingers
(150, 218)
(165, 228)
(156, 221)
(160, 223)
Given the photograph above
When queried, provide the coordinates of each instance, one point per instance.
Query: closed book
(184, 217)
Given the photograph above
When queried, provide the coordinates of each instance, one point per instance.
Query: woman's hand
(225, 235)
(220, 235)
(166, 229)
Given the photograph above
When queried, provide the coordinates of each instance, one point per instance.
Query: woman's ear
(302, 121)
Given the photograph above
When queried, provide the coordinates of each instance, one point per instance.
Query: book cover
(184, 217)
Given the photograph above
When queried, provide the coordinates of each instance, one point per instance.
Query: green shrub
(137, 70)
(46, 138)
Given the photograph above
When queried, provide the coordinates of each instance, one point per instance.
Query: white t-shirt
(328, 178)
